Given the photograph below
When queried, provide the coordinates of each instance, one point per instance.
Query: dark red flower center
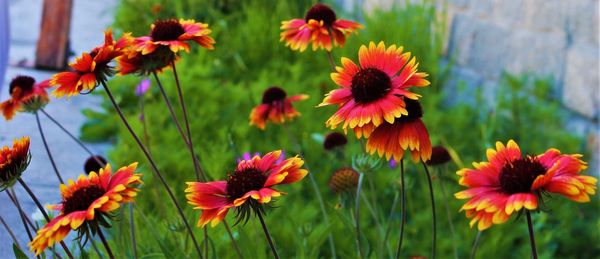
(241, 182)
(518, 176)
(25, 83)
(273, 94)
(166, 30)
(93, 164)
(82, 199)
(414, 109)
(370, 84)
(333, 140)
(321, 12)
(439, 156)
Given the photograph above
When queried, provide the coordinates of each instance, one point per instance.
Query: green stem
(106, 246)
(475, 245)
(434, 220)
(357, 215)
(531, 236)
(154, 167)
(39, 124)
(402, 208)
(448, 215)
(41, 208)
(267, 235)
(132, 229)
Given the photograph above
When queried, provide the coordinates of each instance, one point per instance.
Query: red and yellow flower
(320, 27)
(87, 202)
(250, 185)
(13, 162)
(275, 107)
(25, 95)
(407, 133)
(90, 69)
(509, 182)
(370, 94)
(174, 35)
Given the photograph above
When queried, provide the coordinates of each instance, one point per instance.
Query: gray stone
(580, 87)
(461, 37)
(491, 50)
(582, 20)
(509, 13)
(546, 15)
(538, 53)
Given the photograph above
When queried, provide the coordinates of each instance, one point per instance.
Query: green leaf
(18, 253)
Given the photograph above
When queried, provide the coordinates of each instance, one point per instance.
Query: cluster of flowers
(374, 100)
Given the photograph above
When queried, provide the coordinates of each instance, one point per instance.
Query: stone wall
(557, 38)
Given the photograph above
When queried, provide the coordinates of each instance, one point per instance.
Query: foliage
(223, 85)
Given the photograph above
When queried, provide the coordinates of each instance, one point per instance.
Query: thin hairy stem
(22, 215)
(402, 208)
(39, 124)
(316, 190)
(41, 208)
(434, 219)
(475, 245)
(106, 246)
(531, 236)
(357, 215)
(267, 235)
(448, 215)
(145, 125)
(389, 220)
(72, 137)
(237, 249)
(200, 174)
(10, 232)
(154, 167)
(132, 232)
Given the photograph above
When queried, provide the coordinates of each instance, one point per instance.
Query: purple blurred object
(248, 156)
(142, 87)
(393, 163)
(141, 117)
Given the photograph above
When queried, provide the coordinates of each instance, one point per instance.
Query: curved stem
(475, 245)
(144, 125)
(154, 167)
(448, 215)
(434, 223)
(200, 174)
(357, 215)
(132, 229)
(10, 232)
(402, 208)
(237, 249)
(389, 219)
(41, 208)
(72, 137)
(316, 190)
(39, 124)
(106, 246)
(531, 236)
(267, 235)
(331, 60)
(22, 215)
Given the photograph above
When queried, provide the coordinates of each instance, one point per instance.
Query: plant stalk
(106, 246)
(402, 208)
(154, 167)
(434, 223)
(357, 215)
(39, 124)
(267, 235)
(531, 236)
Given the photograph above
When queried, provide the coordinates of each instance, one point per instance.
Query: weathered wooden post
(53, 43)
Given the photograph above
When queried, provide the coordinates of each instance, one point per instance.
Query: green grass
(223, 85)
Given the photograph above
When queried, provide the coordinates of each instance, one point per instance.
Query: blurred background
(521, 69)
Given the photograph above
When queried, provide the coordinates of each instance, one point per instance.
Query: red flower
(89, 69)
(86, 202)
(13, 162)
(509, 182)
(318, 25)
(250, 185)
(275, 107)
(25, 95)
(371, 92)
(407, 133)
(174, 34)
